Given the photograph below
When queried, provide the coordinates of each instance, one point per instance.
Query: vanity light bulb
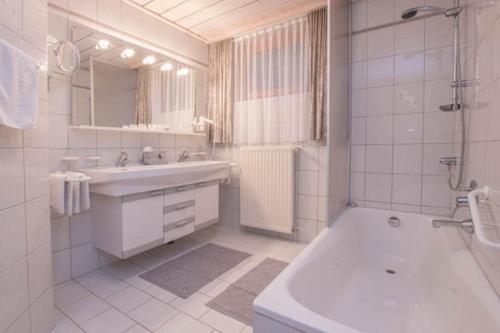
(127, 53)
(102, 44)
(183, 71)
(149, 60)
(166, 66)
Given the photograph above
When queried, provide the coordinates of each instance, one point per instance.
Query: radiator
(267, 187)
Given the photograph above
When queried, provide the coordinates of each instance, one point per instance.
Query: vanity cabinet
(130, 224)
(206, 204)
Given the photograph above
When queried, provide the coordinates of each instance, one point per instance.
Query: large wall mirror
(123, 85)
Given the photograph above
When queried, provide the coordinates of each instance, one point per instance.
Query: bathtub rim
(293, 314)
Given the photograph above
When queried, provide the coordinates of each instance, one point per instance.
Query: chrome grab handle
(155, 193)
(179, 207)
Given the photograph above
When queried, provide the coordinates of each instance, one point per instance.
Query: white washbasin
(130, 179)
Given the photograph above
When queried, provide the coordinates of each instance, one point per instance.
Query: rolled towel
(81, 199)
(57, 195)
(84, 195)
(68, 197)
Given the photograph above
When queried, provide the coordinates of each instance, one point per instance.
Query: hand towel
(57, 196)
(68, 197)
(18, 88)
(81, 199)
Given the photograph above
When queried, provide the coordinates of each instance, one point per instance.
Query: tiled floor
(115, 299)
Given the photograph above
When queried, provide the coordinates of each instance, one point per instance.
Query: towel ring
(67, 57)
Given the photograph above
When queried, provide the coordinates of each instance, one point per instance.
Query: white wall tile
(380, 43)
(409, 37)
(435, 192)
(379, 130)
(40, 271)
(438, 127)
(358, 158)
(307, 182)
(408, 159)
(12, 236)
(409, 98)
(378, 187)
(438, 32)
(408, 128)
(37, 222)
(431, 154)
(380, 12)
(81, 228)
(60, 233)
(358, 130)
(358, 107)
(359, 47)
(438, 64)
(359, 15)
(83, 259)
(13, 293)
(409, 67)
(357, 186)
(406, 189)
(380, 72)
(61, 266)
(359, 73)
(11, 177)
(437, 92)
(36, 170)
(380, 101)
(379, 158)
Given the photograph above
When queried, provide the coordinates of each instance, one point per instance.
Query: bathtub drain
(390, 271)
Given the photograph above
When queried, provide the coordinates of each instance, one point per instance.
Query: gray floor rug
(188, 273)
(237, 300)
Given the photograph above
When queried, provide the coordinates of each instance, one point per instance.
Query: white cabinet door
(142, 220)
(206, 203)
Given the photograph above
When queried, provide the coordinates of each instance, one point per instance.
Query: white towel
(57, 196)
(68, 197)
(81, 200)
(18, 88)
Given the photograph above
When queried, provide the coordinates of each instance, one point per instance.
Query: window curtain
(143, 99)
(317, 22)
(272, 84)
(220, 103)
(172, 97)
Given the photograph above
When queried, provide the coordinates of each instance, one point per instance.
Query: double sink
(131, 179)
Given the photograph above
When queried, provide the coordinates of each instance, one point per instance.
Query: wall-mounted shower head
(410, 13)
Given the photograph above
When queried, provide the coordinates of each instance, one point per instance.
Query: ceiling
(213, 20)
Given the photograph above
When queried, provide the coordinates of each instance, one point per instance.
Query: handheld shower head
(411, 12)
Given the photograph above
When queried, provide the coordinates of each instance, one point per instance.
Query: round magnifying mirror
(67, 57)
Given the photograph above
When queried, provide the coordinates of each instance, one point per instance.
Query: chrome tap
(123, 159)
(184, 156)
(465, 225)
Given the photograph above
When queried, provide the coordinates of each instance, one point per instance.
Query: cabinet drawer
(178, 215)
(178, 195)
(178, 229)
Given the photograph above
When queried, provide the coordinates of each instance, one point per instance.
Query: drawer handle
(155, 193)
(179, 207)
(182, 223)
(181, 189)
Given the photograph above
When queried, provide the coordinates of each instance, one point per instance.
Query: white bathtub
(340, 282)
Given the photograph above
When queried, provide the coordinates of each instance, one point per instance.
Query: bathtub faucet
(465, 225)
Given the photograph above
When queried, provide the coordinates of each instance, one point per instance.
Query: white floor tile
(107, 286)
(153, 314)
(85, 309)
(194, 305)
(221, 322)
(233, 275)
(128, 299)
(159, 293)
(65, 325)
(218, 289)
(68, 293)
(92, 277)
(137, 329)
(111, 321)
(138, 282)
(248, 329)
(123, 269)
(184, 324)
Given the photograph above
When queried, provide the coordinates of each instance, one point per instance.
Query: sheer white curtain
(172, 98)
(272, 85)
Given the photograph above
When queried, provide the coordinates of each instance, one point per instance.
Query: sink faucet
(184, 156)
(123, 159)
(465, 225)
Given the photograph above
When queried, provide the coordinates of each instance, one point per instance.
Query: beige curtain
(220, 103)
(318, 42)
(143, 96)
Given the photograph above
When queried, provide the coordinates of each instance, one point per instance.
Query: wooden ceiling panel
(213, 20)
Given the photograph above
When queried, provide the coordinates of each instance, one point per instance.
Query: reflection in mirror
(123, 85)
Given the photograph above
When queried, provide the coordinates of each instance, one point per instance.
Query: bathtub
(363, 275)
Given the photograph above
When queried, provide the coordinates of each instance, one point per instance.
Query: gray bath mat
(188, 273)
(237, 300)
